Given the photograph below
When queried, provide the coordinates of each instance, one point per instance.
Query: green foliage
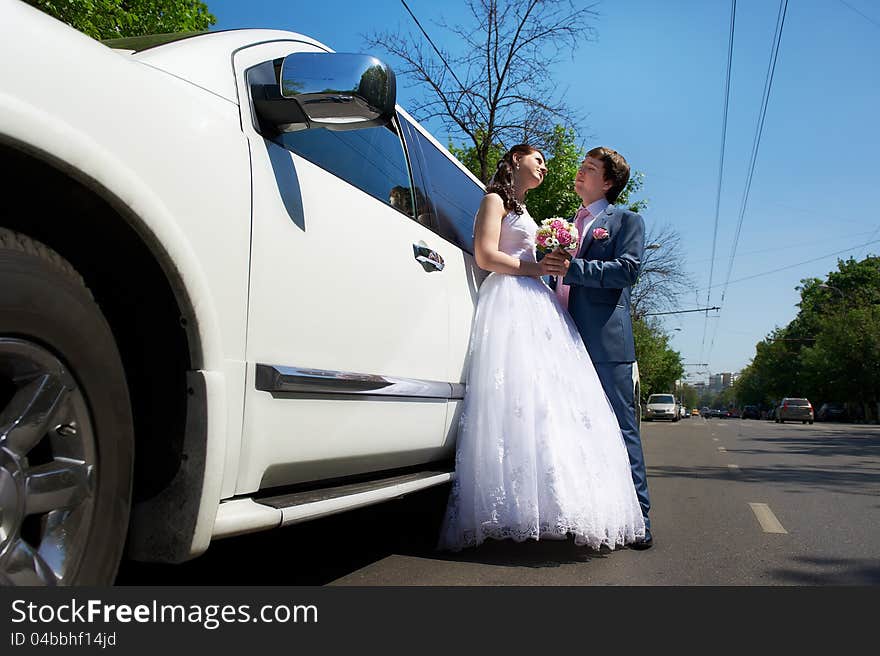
(112, 19)
(633, 186)
(690, 398)
(831, 350)
(470, 156)
(659, 366)
(556, 195)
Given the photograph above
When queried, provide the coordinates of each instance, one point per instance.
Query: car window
(798, 402)
(452, 197)
(371, 159)
(661, 398)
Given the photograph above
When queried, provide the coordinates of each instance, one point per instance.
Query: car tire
(66, 429)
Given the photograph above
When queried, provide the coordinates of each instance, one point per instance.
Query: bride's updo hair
(502, 182)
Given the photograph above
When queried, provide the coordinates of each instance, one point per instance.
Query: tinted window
(453, 198)
(798, 402)
(660, 398)
(371, 159)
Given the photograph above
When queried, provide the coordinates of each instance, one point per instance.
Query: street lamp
(822, 285)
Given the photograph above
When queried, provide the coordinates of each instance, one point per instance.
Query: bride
(539, 453)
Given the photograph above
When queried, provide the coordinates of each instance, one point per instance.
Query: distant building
(720, 382)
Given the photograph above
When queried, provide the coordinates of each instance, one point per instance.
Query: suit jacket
(600, 277)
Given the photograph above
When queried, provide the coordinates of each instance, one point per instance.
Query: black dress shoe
(645, 543)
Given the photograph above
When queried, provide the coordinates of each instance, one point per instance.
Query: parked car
(832, 412)
(751, 412)
(684, 414)
(794, 409)
(218, 308)
(661, 406)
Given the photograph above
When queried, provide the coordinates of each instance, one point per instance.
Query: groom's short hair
(616, 170)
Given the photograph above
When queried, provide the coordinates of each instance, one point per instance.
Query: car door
(450, 198)
(348, 318)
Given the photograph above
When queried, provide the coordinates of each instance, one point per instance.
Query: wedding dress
(539, 452)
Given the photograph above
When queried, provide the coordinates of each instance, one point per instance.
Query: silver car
(794, 409)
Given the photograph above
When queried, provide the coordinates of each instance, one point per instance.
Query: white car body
(279, 271)
(661, 406)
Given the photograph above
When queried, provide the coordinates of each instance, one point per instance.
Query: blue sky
(651, 85)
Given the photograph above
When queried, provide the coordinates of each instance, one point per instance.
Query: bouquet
(556, 232)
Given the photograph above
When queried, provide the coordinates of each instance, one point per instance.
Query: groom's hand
(555, 264)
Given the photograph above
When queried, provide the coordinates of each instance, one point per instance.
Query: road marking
(714, 439)
(722, 449)
(733, 467)
(766, 518)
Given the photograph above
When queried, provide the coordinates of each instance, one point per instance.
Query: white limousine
(236, 288)
(236, 291)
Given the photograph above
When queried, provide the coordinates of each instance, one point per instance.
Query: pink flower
(600, 233)
(564, 236)
(557, 224)
(542, 240)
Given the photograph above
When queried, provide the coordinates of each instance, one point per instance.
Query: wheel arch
(135, 263)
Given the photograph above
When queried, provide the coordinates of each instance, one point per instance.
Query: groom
(596, 291)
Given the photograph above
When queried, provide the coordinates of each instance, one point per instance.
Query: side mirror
(337, 91)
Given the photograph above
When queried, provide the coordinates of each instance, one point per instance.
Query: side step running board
(238, 516)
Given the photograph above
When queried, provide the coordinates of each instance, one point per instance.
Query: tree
(659, 365)
(112, 19)
(497, 88)
(556, 195)
(831, 350)
(663, 280)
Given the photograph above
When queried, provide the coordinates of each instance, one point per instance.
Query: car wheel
(66, 432)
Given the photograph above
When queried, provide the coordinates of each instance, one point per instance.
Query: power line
(873, 232)
(865, 16)
(436, 49)
(797, 264)
(721, 160)
(765, 100)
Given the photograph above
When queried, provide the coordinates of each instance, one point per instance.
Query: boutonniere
(600, 234)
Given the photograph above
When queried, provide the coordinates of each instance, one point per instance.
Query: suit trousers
(616, 379)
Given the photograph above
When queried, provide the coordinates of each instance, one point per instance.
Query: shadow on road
(844, 479)
(855, 442)
(312, 553)
(530, 553)
(829, 571)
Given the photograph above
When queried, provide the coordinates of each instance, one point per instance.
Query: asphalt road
(735, 502)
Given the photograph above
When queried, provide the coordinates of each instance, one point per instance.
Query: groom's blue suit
(600, 277)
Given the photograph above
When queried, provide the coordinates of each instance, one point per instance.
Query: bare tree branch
(506, 93)
(663, 280)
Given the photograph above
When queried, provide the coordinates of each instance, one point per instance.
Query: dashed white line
(733, 468)
(766, 518)
(721, 449)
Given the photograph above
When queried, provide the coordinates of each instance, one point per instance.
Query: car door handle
(429, 259)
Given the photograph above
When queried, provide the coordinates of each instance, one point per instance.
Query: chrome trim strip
(277, 378)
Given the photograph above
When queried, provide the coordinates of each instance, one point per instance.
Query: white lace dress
(539, 452)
